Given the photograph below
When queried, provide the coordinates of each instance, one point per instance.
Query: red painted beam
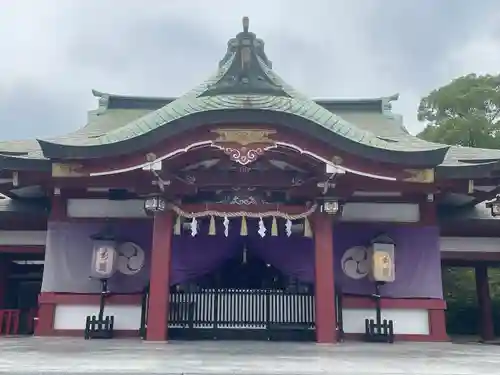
(268, 179)
(22, 249)
(143, 181)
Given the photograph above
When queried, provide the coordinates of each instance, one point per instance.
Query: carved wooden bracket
(244, 146)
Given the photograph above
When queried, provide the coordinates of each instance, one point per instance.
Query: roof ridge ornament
(246, 24)
(245, 68)
(103, 99)
(387, 102)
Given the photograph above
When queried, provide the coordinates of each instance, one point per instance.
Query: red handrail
(9, 321)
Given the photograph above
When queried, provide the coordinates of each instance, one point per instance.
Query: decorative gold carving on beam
(423, 176)
(244, 146)
(244, 137)
(68, 170)
(244, 155)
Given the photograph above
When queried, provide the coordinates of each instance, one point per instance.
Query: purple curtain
(293, 256)
(418, 261)
(193, 257)
(68, 257)
(418, 264)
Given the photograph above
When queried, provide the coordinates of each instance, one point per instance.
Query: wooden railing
(263, 312)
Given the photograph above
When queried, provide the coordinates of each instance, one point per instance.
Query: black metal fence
(242, 314)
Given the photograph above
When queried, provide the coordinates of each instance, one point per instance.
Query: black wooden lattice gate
(241, 314)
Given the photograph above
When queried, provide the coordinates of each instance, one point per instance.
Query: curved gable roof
(245, 86)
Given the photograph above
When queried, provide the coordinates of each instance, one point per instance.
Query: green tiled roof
(303, 108)
(256, 88)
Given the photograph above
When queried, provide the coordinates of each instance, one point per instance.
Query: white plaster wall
(98, 208)
(127, 317)
(470, 244)
(406, 321)
(376, 212)
(23, 237)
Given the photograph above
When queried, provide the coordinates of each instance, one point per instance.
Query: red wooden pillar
(486, 327)
(159, 277)
(324, 280)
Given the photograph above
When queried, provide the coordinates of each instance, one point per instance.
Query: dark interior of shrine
(24, 281)
(245, 270)
(22, 288)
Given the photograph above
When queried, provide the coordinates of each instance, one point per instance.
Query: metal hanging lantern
(494, 206)
(104, 261)
(382, 259)
(382, 271)
(331, 206)
(104, 254)
(154, 205)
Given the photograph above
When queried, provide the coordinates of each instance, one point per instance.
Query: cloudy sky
(53, 52)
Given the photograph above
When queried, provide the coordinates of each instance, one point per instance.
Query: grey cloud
(37, 111)
(156, 57)
(325, 48)
(412, 39)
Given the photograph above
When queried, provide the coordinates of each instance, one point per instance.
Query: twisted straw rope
(255, 215)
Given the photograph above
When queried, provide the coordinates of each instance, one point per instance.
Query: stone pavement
(76, 356)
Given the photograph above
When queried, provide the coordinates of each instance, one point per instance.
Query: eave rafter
(296, 185)
(184, 151)
(178, 182)
(216, 158)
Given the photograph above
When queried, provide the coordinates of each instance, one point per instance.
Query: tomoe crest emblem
(130, 258)
(355, 263)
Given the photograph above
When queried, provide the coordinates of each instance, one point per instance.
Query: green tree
(465, 112)
(459, 285)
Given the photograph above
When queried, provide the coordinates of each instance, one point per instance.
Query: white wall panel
(353, 211)
(470, 244)
(383, 212)
(406, 321)
(23, 237)
(104, 208)
(127, 317)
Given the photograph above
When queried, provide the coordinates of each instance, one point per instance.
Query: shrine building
(243, 209)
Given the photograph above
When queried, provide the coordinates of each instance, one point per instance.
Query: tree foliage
(465, 112)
